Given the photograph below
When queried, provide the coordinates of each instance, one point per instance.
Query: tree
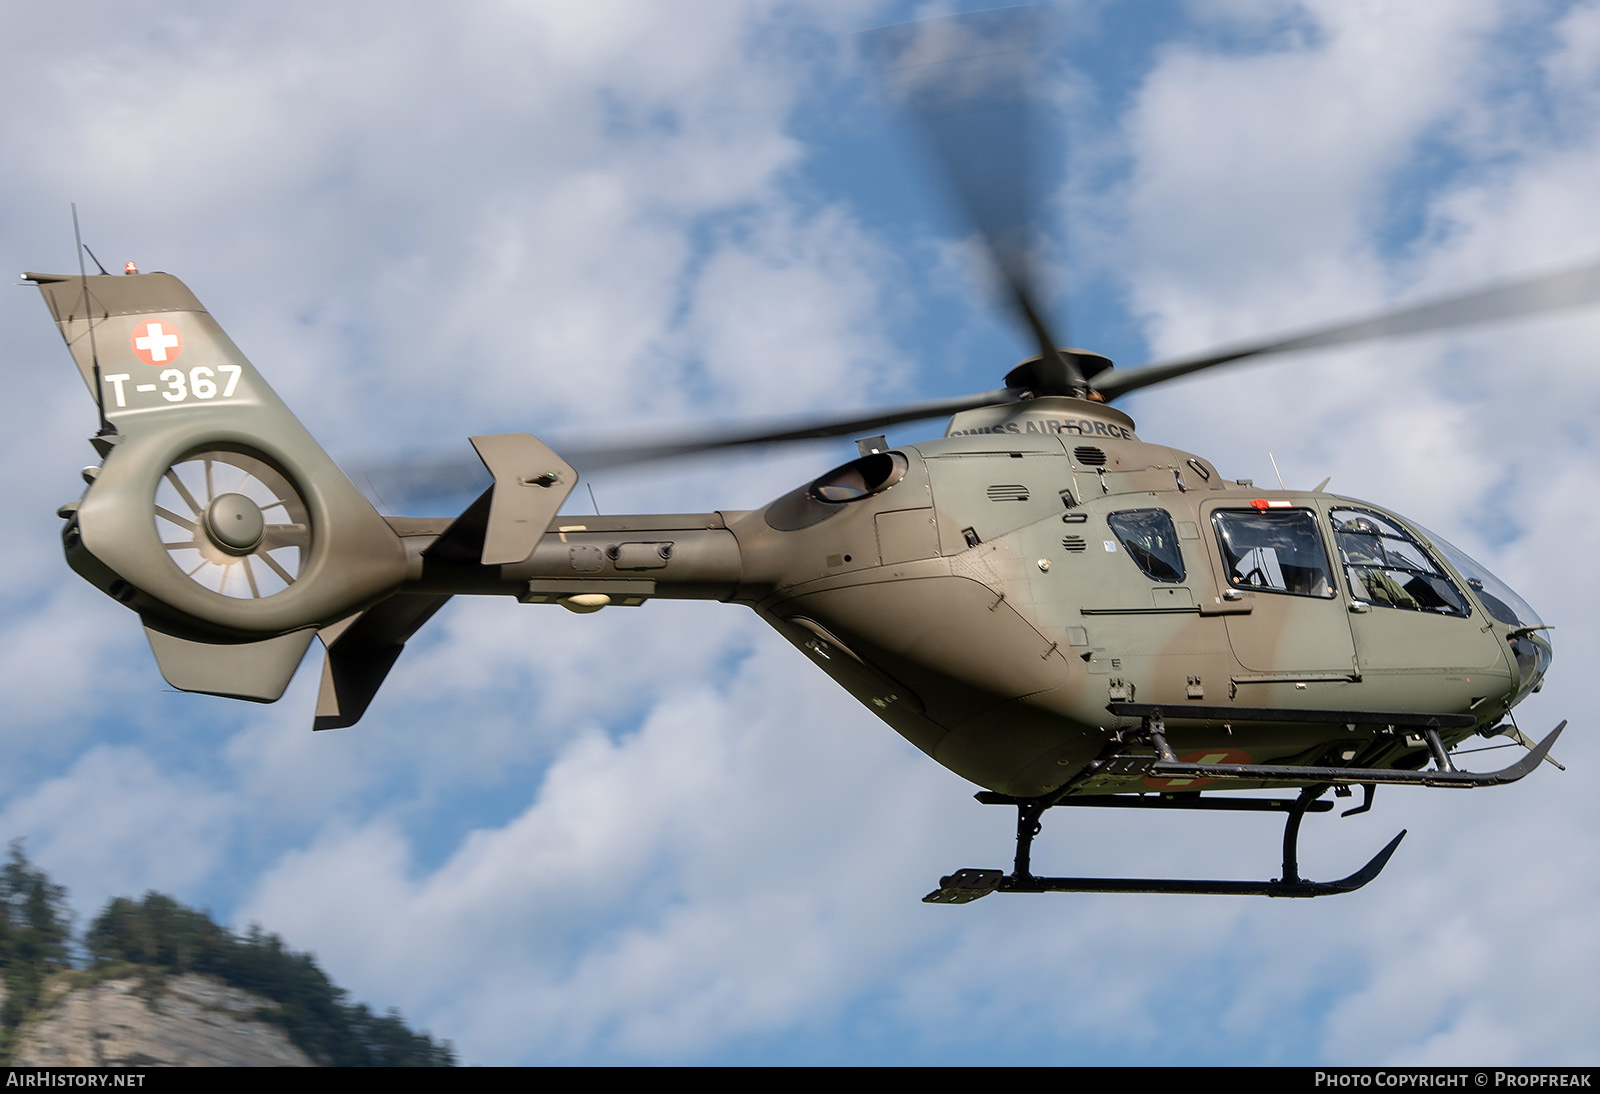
(160, 936)
(35, 936)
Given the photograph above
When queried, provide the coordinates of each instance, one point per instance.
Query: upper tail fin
(215, 514)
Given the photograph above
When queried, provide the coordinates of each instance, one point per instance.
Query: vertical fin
(361, 651)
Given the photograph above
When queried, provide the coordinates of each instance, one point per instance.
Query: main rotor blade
(599, 458)
(1553, 292)
(413, 482)
(968, 82)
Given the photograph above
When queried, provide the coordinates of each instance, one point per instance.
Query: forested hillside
(156, 937)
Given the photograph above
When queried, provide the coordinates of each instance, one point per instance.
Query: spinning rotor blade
(598, 458)
(413, 482)
(968, 82)
(1553, 292)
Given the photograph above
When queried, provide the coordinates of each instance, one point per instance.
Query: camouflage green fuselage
(984, 608)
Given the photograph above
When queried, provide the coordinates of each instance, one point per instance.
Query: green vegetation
(35, 939)
(156, 937)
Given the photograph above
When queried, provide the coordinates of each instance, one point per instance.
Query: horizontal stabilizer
(530, 484)
(503, 526)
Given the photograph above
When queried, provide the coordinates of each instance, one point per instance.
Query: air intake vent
(1089, 455)
(1075, 544)
(1008, 492)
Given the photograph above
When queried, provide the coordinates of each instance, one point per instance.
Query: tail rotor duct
(233, 524)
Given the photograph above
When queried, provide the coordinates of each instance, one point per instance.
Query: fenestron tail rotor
(233, 524)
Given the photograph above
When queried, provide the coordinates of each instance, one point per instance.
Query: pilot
(1361, 547)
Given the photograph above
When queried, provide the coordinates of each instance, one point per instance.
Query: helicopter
(1051, 607)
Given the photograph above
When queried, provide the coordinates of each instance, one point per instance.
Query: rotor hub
(235, 523)
(1049, 377)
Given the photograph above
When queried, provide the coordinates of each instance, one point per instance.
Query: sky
(657, 835)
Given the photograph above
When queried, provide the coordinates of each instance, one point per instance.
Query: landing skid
(967, 885)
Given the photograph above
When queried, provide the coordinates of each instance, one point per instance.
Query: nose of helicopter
(1533, 655)
(1527, 634)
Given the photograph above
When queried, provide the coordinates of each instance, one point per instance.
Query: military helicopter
(1046, 604)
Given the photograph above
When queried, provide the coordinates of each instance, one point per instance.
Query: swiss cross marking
(157, 342)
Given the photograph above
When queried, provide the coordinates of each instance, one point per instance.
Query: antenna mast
(94, 354)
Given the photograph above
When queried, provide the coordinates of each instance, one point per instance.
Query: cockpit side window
(1273, 550)
(1151, 540)
(1387, 567)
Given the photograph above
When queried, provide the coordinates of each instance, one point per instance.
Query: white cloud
(116, 823)
(790, 315)
(698, 880)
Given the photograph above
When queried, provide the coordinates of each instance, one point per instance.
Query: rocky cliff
(179, 1021)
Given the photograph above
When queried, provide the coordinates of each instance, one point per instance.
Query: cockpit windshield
(1386, 567)
(1531, 647)
(1495, 595)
